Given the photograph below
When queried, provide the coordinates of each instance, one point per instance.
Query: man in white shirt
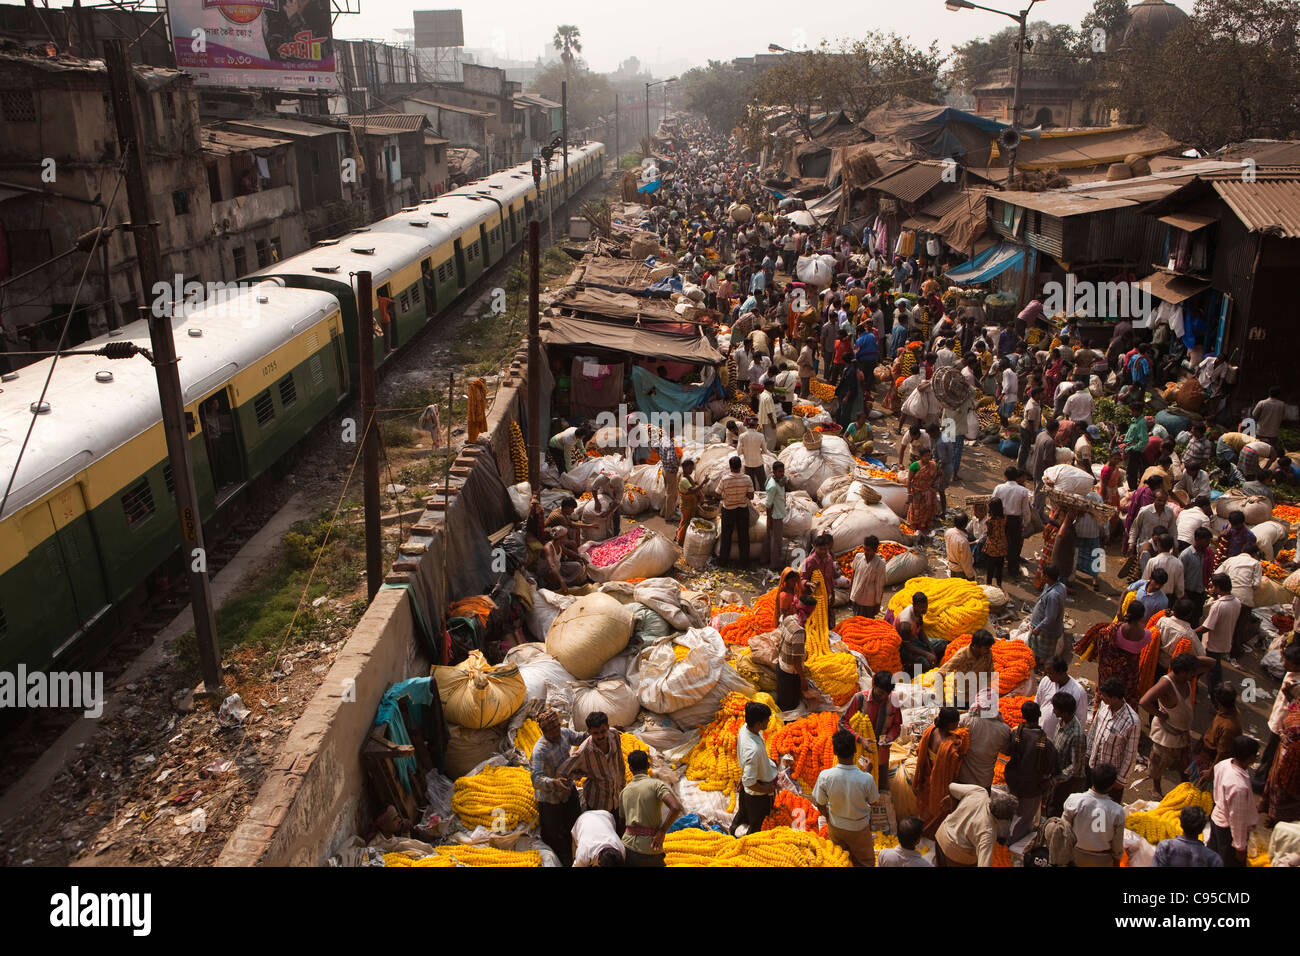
(767, 417)
(1197, 515)
(1015, 499)
(1078, 407)
(844, 795)
(960, 561)
(758, 366)
(1165, 558)
(1097, 822)
(905, 854)
(757, 771)
(1009, 392)
(596, 841)
(1220, 623)
(1058, 679)
(750, 446)
(1175, 627)
(868, 587)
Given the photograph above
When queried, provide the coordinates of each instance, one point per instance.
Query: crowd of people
(880, 332)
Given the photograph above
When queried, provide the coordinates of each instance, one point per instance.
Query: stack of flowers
(778, 847)
(808, 740)
(1286, 556)
(1288, 513)
(874, 639)
(454, 855)
(877, 474)
(820, 391)
(1162, 822)
(526, 737)
(793, 811)
(630, 743)
(712, 763)
(614, 550)
(835, 675)
(957, 606)
(495, 797)
(1009, 707)
(759, 620)
(807, 410)
(887, 550)
(1274, 571)
(1013, 660)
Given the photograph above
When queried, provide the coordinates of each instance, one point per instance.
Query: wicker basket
(1101, 511)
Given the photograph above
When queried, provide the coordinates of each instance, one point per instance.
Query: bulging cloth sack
(588, 633)
(667, 682)
(638, 553)
(851, 522)
(612, 696)
(476, 694)
(808, 468)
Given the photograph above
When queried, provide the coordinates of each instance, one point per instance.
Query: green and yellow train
(90, 515)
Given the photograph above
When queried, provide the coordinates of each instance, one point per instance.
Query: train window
(404, 302)
(4, 622)
(241, 260)
(137, 503)
(288, 391)
(264, 408)
(415, 294)
(169, 479)
(317, 371)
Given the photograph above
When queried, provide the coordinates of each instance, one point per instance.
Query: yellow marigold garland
(780, 846)
(467, 855)
(1162, 822)
(956, 607)
(497, 796)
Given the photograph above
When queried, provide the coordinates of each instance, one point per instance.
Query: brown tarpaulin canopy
(621, 337)
(606, 272)
(616, 305)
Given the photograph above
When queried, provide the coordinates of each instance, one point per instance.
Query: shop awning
(988, 264)
(1188, 221)
(631, 339)
(1172, 288)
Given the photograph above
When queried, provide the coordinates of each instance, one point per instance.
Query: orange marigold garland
(1274, 571)
(793, 811)
(1013, 660)
(874, 639)
(1009, 707)
(808, 739)
(887, 550)
(760, 620)
(1288, 513)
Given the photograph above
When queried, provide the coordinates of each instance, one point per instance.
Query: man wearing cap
(557, 800)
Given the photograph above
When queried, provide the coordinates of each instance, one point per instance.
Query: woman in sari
(849, 392)
(1281, 803)
(787, 594)
(1052, 377)
(938, 761)
(922, 496)
(1119, 651)
(1112, 473)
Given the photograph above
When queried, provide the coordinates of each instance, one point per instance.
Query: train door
(222, 446)
(460, 263)
(514, 226)
(485, 248)
(76, 555)
(428, 288)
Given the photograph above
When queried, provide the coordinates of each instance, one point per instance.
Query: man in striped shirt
(1071, 748)
(736, 490)
(1113, 736)
(599, 758)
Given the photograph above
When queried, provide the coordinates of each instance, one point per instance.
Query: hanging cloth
(476, 417)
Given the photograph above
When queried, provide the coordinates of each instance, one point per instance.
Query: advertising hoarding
(277, 44)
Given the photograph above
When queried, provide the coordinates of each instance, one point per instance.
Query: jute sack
(475, 694)
(588, 633)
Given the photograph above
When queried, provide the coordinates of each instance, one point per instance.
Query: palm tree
(568, 41)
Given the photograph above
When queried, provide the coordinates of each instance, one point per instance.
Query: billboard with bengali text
(277, 44)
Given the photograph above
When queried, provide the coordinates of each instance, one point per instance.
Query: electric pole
(369, 433)
(564, 134)
(148, 252)
(616, 154)
(534, 342)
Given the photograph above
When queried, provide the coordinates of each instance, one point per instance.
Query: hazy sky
(667, 30)
(674, 30)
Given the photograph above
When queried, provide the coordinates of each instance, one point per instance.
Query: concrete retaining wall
(314, 797)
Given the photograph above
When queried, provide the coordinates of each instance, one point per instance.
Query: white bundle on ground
(664, 596)
(545, 678)
(700, 537)
(650, 479)
(666, 683)
(1066, 477)
(703, 710)
(850, 523)
(815, 270)
(709, 805)
(800, 511)
(546, 606)
(912, 563)
(521, 496)
(892, 495)
(650, 555)
(612, 696)
(578, 478)
(807, 468)
(588, 633)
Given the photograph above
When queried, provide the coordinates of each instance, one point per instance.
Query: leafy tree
(1050, 48)
(568, 41)
(591, 96)
(1231, 72)
(719, 91)
(1103, 27)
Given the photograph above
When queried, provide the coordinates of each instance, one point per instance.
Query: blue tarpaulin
(649, 187)
(420, 691)
(666, 286)
(992, 262)
(669, 396)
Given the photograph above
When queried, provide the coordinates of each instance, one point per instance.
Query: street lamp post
(1021, 18)
(671, 79)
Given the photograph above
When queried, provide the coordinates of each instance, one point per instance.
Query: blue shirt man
(897, 338)
(758, 283)
(868, 351)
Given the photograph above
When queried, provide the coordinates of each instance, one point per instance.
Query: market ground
(981, 470)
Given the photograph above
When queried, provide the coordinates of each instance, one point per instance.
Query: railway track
(26, 734)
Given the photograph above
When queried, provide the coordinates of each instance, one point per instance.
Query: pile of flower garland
(1286, 556)
(956, 607)
(1274, 571)
(874, 639)
(887, 550)
(780, 846)
(496, 796)
(518, 452)
(1162, 822)
(793, 811)
(614, 550)
(1009, 707)
(820, 391)
(1288, 513)
(835, 675)
(526, 737)
(467, 855)
(1013, 660)
(759, 620)
(712, 762)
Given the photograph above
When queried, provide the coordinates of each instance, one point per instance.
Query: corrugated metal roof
(387, 124)
(1264, 205)
(911, 182)
(1062, 204)
(1174, 288)
(1189, 222)
(290, 127)
(468, 110)
(227, 142)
